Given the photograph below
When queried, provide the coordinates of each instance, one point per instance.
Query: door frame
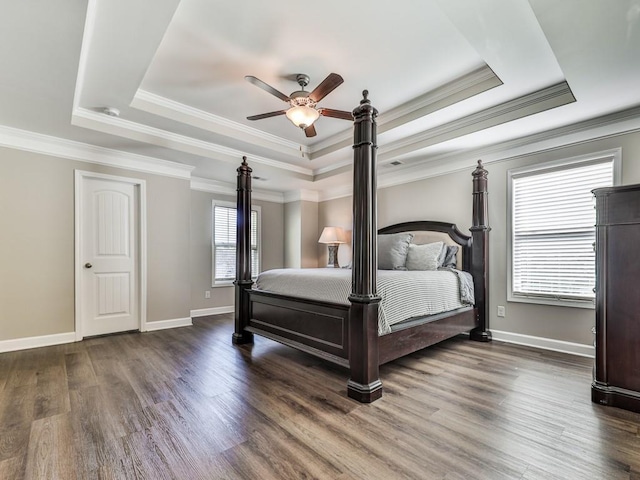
(140, 187)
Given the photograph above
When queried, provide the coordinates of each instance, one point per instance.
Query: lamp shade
(302, 116)
(332, 235)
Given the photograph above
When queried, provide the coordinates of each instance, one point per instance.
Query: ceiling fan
(303, 110)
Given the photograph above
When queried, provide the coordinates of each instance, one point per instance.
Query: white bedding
(405, 294)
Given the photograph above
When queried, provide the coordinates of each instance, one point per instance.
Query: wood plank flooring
(186, 404)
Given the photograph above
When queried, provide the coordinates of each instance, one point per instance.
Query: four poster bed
(348, 332)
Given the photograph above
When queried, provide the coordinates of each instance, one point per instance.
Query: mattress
(404, 294)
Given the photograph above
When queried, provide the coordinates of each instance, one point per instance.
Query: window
(552, 217)
(224, 242)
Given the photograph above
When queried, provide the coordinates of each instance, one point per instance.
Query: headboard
(428, 231)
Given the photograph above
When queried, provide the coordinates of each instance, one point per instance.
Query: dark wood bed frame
(348, 335)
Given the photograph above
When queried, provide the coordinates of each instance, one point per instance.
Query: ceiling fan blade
(327, 86)
(310, 131)
(329, 112)
(267, 115)
(267, 88)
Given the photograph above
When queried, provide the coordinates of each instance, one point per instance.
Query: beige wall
(301, 234)
(37, 239)
(292, 235)
(37, 243)
(272, 249)
(431, 199)
(309, 235)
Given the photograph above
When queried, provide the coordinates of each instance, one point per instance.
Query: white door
(109, 257)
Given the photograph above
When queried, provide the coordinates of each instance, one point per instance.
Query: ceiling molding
(462, 88)
(536, 102)
(319, 173)
(336, 192)
(83, 152)
(225, 188)
(179, 112)
(613, 124)
(135, 131)
(213, 186)
(466, 86)
(545, 99)
(599, 128)
(301, 195)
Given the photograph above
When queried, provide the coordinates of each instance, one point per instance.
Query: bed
(348, 332)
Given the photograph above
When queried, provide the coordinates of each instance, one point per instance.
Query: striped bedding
(405, 294)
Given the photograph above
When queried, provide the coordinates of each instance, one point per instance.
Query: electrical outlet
(207, 294)
(501, 311)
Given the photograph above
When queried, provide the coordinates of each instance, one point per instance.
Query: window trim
(614, 155)
(220, 203)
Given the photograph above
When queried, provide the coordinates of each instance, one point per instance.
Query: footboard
(416, 334)
(319, 328)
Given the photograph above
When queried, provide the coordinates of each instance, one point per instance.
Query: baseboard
(545, 343)
(70, 337)
(203, 312)
(35, 342)
(164, 324)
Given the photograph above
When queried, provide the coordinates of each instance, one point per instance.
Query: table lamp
(333, 237)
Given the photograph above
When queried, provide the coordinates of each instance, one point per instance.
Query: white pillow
(424, 257)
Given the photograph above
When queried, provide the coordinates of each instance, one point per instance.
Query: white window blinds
(224, 243)
(553, 220)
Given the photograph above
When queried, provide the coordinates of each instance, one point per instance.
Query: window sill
(586, 304)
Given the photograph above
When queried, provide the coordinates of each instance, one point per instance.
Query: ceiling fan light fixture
(302, 110)
(302, 116)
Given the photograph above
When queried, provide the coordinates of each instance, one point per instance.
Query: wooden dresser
(617, 368)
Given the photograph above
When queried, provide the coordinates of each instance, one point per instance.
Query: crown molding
(530, 104)
(611, 125)
(462, 88)
(340, 191)
(301, 195)
(83, 117)
(83, 152)
(320, 172)
(598, 128)
(179, 112)
(466, 86)
(225, 188)
(213, 186)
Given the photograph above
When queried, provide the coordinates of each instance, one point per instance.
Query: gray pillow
(424, 257)
(450, 259)
(392, 250)
(443, 256)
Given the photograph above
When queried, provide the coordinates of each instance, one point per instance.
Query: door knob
(87, 265)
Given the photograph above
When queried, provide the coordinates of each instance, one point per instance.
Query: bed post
(364, 383)
(243, 280)
(480, 253)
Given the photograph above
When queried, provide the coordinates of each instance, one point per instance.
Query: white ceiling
(452, 80)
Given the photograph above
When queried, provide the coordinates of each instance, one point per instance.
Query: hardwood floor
(186, 404)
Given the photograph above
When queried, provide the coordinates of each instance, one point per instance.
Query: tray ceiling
(450, 80)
